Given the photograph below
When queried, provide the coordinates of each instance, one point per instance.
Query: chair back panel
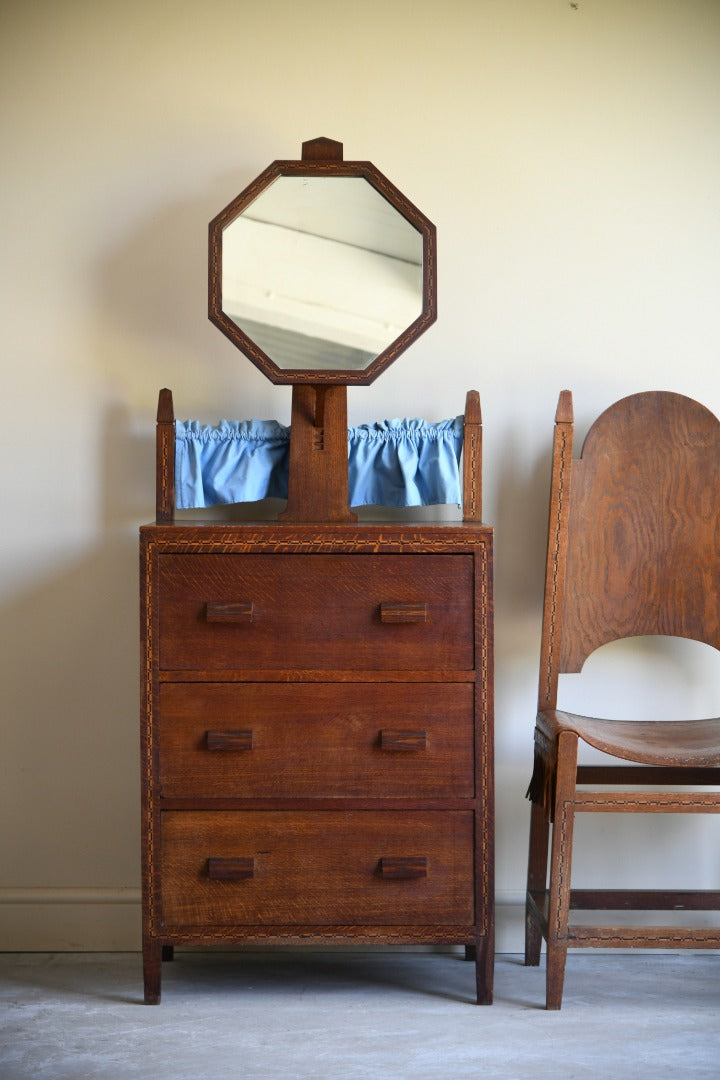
(643, 527)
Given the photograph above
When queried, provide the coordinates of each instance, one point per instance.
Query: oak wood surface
(326, 739)
(427, 795)
(317, 867)
(633, 549)
(321, 625)
(644, 533)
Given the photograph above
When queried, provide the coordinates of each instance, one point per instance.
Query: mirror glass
(322, 272)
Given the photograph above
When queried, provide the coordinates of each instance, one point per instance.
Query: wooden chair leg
(152, 971)
(484, 969)
(536, 880)
(560, 867)
(555, 975)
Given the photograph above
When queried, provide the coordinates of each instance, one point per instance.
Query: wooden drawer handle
(403, 741)
(240, 612)
(403, 867)
(229, 740)
(403, 613)
(233, 869)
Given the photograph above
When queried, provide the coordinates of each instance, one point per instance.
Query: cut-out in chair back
(634, 541)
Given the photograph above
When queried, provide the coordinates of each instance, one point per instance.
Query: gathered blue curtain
(390, 463)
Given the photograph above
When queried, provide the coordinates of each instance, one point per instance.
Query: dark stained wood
(404, 613)
(646, 774)
(537, 882)
(643, 550)
(317, 867)
(318, 740)
(231, 868)
(403, 741)
(318, 468)
(556, 551)
(632, 550)
(403, 867)
(337, 784)
(165, 458)
(229, 740)
(645, 899)
(322, 149)
(472, 458)
(319, 626)
(241, 611)
(321, 157)
(317, 700)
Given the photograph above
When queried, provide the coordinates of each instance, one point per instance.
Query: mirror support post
(318, 478)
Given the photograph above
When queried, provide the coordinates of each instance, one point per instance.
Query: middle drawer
(316, 739)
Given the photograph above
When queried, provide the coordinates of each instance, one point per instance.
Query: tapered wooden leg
(152, 971)
(536, 880)
(560, 867)
(485, 968)
(470, 953)
(168, 953)
(555, 975)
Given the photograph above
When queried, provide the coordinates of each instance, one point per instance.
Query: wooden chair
(633, 549)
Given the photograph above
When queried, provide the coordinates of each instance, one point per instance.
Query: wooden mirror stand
(318, 478)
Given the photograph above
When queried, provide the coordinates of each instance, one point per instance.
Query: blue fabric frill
(390, 463)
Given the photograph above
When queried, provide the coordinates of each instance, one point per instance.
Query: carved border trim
(486, 730)
(266, 540)
(555, 563)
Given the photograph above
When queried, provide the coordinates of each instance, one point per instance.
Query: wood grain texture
(320, 625)
(633, 549)
(317, 740)
(318, 461)
(165, 458)
(317, 867)
(472, 458)
(644, 527)
(317, 752)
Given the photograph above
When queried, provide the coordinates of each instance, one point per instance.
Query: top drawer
(321, 612)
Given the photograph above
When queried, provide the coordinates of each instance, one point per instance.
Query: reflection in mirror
(322, 272)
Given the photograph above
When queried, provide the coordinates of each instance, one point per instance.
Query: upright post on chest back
(165, 459)
(472, 458)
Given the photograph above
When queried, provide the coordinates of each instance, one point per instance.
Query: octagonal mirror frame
(322, 157)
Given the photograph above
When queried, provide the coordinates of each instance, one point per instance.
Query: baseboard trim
(90, 919)
(61, 919)
(61, 895)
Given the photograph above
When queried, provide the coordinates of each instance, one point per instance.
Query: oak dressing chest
(317, 761)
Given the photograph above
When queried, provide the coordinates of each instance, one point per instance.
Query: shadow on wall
(151, 301)
(521, 529)
(70, 651)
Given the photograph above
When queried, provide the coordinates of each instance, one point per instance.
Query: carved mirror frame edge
(318, 486)
(322, 157)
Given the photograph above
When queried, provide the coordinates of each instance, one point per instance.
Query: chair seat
(671, 742)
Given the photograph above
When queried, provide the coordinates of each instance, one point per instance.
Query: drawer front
(316, 739)
(322, 612)
(323, 868)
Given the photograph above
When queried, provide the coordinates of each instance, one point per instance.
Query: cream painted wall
(569, 155)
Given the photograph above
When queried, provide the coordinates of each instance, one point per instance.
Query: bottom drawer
(317, 868)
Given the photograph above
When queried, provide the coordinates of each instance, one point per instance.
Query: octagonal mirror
(321, 271)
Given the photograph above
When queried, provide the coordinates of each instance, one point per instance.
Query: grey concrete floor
(344, 1015)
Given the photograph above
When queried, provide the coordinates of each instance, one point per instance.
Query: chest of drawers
(317, 737)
